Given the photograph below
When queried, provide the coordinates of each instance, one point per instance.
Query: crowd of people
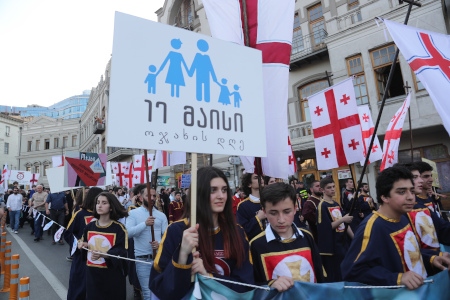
(266, 233)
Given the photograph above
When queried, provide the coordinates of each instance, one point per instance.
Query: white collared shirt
(253, 198)
(270, 236)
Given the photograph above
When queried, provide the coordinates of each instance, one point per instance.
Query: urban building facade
(44, 137)
(10, 132)
(333, 40)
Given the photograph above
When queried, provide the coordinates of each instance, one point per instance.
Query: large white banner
(184, 91)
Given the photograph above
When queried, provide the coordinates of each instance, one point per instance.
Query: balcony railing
(307, 44)
(301, 136)
(99, 127)
(120, 154)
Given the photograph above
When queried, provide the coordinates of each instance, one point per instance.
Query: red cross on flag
(392, 136)
(367, 129)
(5, 176)
(336, 127)
(270, 30)
(120, 169)
(166, 158)
(34, 178)
(428, 55)
(139, 175)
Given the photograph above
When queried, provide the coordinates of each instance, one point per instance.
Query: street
(44, 263)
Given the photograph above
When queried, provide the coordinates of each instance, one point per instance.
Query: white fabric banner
(166, 158)
(273, 36)
(427, 53)
(367, 128)
(392, 136)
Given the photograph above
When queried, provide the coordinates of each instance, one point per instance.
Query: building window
(28, 168)
(55, 143)
(352, 3)
(36, 169)
(382, 59)
(7, 131)
(65, 142)
(38, 142)
(297, 36)
(29, 146)
(47, 144)
(6, 148)
(185, 16)
(74, 140)
(45, 170)
(316, 25)
(417, 83)
(306, 91)
(355, 67)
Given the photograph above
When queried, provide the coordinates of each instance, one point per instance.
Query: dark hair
(348, 179)
(362, 185)
(388, 177)
(277, 192)
(232, 243)
(138, 190)
(91, 198)
(325, 181)
(177, 193)
(117, 210)
(423, 166)
(246, 180)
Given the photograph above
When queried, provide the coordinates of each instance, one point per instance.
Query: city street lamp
(20, 144)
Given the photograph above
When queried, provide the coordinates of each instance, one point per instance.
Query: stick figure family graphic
(201, 67)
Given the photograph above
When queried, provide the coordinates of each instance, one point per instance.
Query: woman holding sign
(221, 246)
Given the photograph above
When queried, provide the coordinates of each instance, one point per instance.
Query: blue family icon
(151, 80)
(224, 96)
(201, 67)
(204, 70)
(174, 75)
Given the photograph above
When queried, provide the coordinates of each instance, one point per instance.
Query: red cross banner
(34, 178)
(139, 175)
(273, 36)
(392, 136)
(120, 169)
(428, 55)
(336, 127)
(22, 177)
(367, 129)
(5, 176)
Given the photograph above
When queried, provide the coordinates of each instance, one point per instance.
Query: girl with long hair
(222, 247)
(105, 275)
(75, 229)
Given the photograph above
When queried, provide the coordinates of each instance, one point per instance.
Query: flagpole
(150, 203)
(410, 124)
(411, 3)
(193, 199)
(246, 34)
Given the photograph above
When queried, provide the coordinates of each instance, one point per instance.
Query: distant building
(10, 131)
(44, 137)
(70, 108)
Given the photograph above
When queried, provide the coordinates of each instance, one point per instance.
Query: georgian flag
(139, 171)
(392, 136)
(428, 55)
(367, 128)
(120, 169)
(166, 158)
(336, 127)
(270, 30)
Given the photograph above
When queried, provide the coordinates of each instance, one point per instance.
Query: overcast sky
(53, 49)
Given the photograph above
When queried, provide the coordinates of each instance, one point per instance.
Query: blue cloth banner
(213, 290)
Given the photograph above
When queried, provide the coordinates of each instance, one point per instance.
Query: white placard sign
(173, 89)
